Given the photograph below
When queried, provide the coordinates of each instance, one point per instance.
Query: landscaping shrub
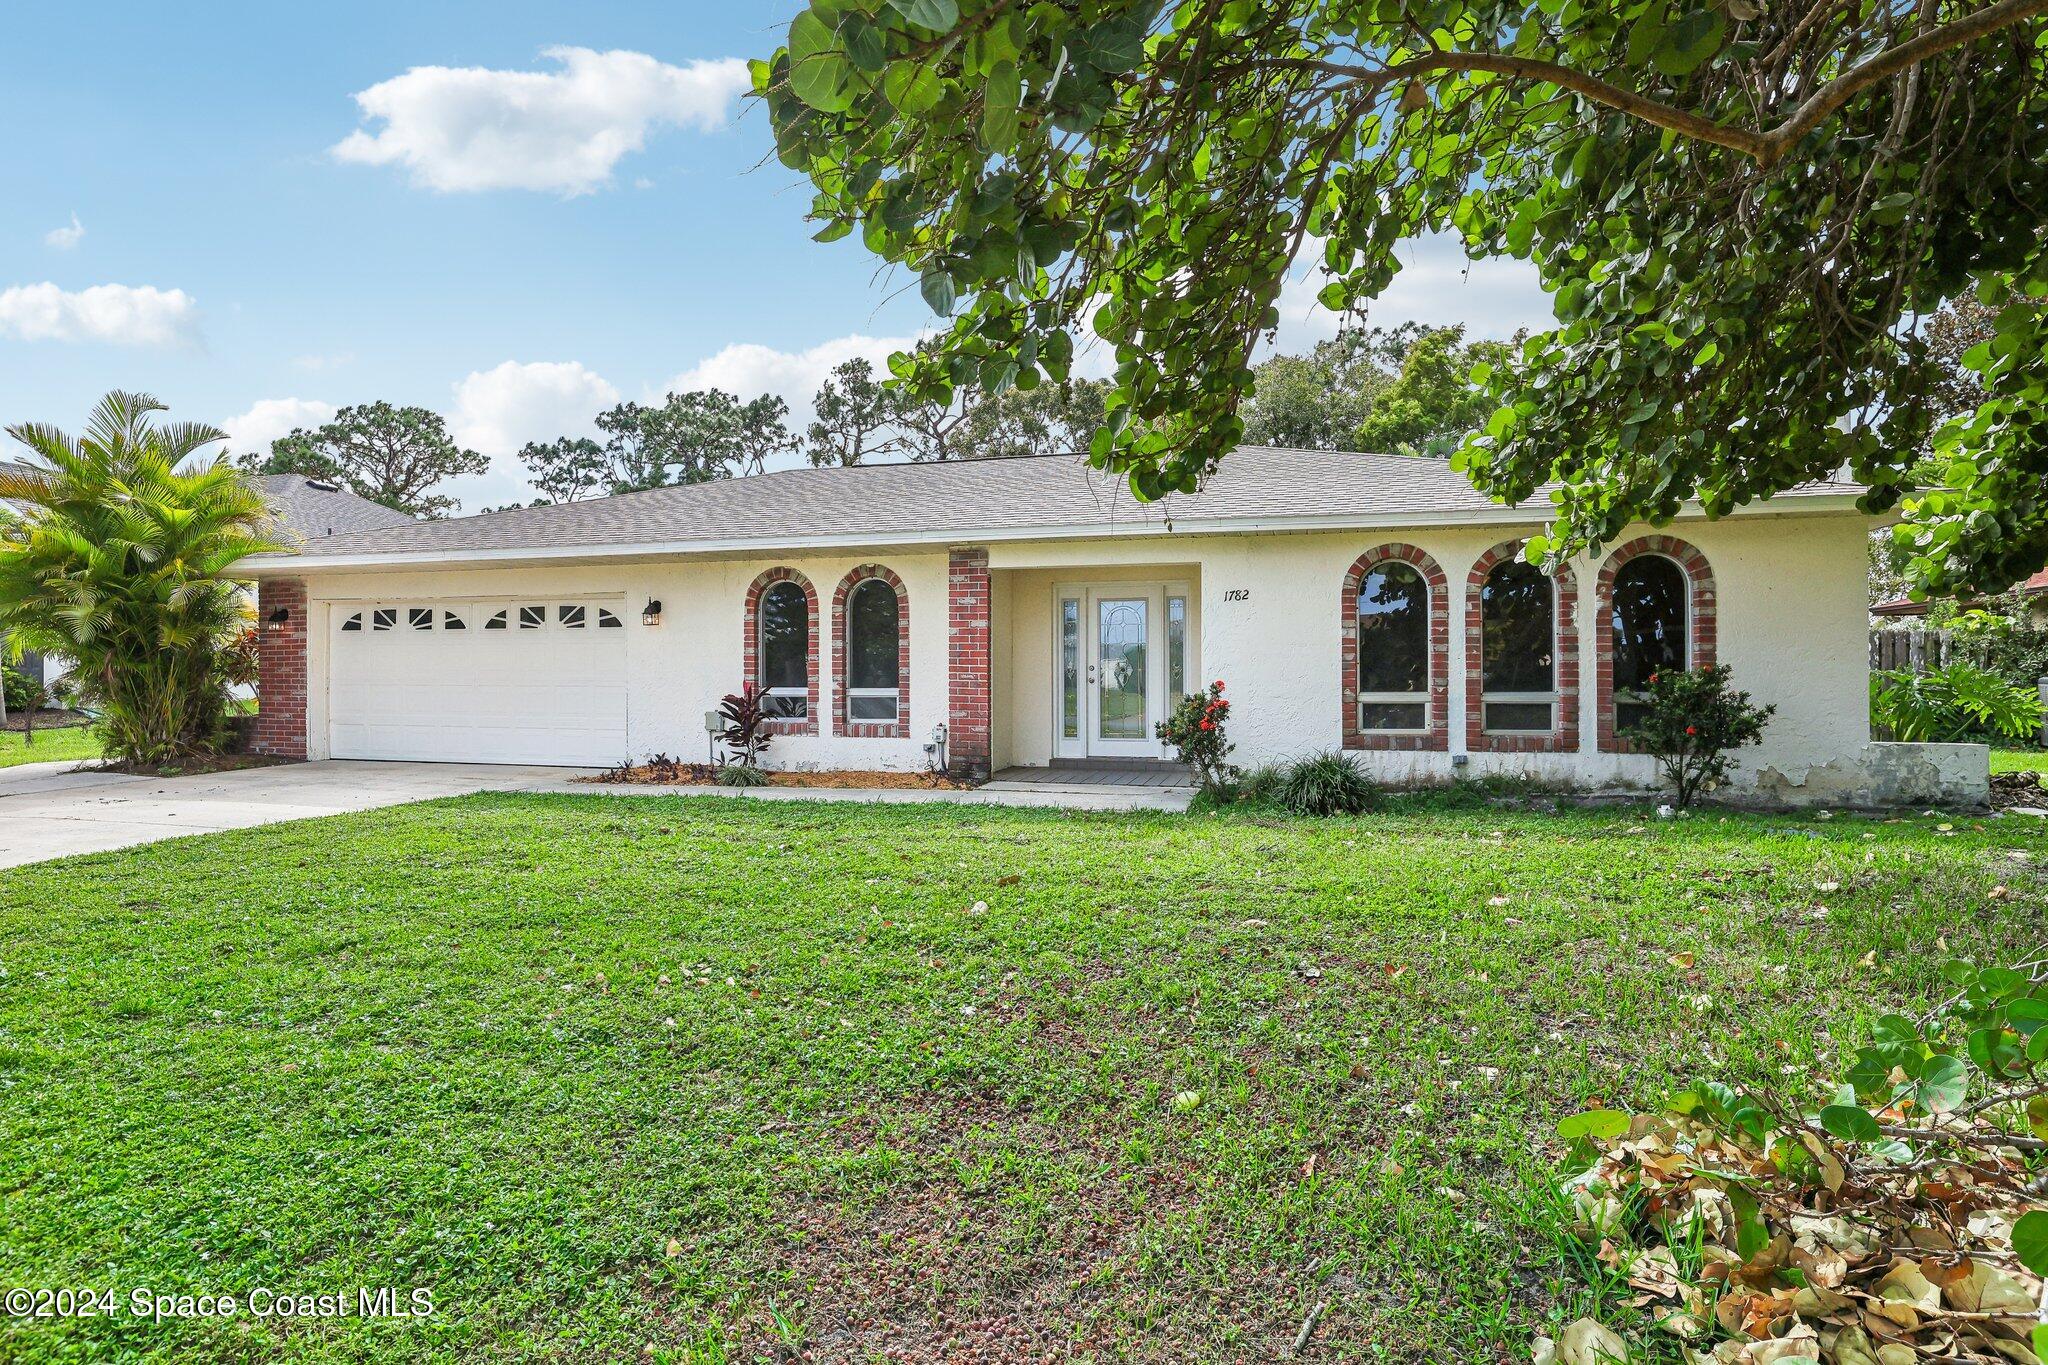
(18, 687)
(1195, 730)
(1692, 719)
(1326, 784)
(740, 775)
(746, 726)
(1952, 704)
(123, 559)
(2019, 655)
(1894, 1217)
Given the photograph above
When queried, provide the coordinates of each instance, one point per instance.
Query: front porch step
(1111, 765)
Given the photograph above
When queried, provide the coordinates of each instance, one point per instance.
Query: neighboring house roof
(311, 509)
(1906, 606)
(306, 509)
(1031, 497)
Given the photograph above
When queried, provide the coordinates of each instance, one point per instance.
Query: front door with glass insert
(1122, 651)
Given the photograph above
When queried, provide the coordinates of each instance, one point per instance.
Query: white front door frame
(1084, 694)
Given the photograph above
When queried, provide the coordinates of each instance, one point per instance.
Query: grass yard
(2030, 760)
(74, 744)
(675, 1079)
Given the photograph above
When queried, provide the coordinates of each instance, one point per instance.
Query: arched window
(1518, 640)
(1393, 649)
(785, 666)
(871, 654)
(1655, 611)
(1648, 620)
(873, 620)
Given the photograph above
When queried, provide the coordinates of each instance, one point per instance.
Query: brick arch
(1701, 628)
(1438, 737)
(870, 729)
(1565, 738)
(768, 579)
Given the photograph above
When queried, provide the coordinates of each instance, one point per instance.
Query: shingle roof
(1056, 493)
(310, 510)
(1906, 606)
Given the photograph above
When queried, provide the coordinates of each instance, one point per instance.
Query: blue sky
(514, 214)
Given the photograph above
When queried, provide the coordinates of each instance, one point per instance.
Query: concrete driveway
(51, 810)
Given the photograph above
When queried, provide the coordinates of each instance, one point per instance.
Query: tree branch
(1765, 148)
(1825, 101)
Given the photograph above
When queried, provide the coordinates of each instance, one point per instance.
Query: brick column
(967, 663)
(280, 669)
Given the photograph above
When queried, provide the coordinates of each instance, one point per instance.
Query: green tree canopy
(1433, 404)
(1318, 401)
(1738, 207)
(391, 455)
(123, 563)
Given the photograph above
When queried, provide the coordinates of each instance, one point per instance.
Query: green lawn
(602, 1072)
(2019, 760)
(72, 745)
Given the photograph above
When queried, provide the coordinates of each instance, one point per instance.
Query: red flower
(1217, 685)
(1689, 730)
(1208, 725)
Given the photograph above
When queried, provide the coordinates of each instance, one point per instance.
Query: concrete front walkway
(53, 810)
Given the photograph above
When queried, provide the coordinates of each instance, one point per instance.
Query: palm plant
(120, 561)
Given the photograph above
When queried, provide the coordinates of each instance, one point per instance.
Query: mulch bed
(196, 767)
(2017, 789)
(672, 774)
(16, 721)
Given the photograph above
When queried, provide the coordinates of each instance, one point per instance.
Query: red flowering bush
(1195, 730)
(1690, 722)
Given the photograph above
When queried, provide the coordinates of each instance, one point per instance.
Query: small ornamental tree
(1195, 730)
(1692, 721)
(746, 724)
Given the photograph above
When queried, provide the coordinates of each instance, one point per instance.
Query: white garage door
(478, 682)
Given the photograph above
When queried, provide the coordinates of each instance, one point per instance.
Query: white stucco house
(1029, 612)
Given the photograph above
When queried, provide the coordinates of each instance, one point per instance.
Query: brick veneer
(280, 669)
(1565, 738)
(1700, 580)
(784, 725)
(1438, 737)
(967, 663)
(870, 729)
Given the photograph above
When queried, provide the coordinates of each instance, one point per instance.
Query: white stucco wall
(1792, 598)
(678, 669)
(1791, 602)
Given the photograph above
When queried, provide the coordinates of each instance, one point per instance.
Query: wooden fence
(1914, 651)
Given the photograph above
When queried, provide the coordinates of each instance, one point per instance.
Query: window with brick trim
(1655, 610)
(1521, 656)
(1394, 605)
(871, 654)
(782, 649)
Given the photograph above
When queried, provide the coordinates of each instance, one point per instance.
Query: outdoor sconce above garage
(650, 615)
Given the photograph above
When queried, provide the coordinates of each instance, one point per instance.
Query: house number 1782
(1237, 594)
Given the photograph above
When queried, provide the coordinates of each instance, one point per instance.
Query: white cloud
(1437, 285)
(747, 369)
(269, 418)
(499, 410)
(120, 314)
(64, 238)
(470, 128)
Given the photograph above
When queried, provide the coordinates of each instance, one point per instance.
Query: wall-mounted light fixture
(650, 615)
(277, 618)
